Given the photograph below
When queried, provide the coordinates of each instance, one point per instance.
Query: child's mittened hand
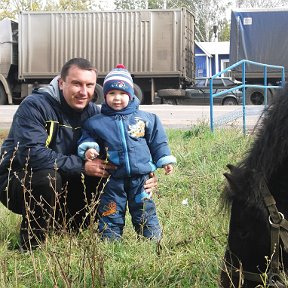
(91, 154)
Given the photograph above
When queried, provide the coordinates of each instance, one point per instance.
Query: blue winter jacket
(134, 140)
(45, 131)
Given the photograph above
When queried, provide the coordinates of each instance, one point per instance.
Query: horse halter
(279, 231)
(279, 228)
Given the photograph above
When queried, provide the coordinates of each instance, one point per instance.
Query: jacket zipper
(123, 138)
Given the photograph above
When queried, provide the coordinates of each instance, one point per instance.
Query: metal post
(244, 96)
(244, 86)
(211, 106)
(283, 78)
(265, 89)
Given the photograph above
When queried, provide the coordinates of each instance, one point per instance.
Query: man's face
(78, 87)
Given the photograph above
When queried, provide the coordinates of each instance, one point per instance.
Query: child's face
(117, 99)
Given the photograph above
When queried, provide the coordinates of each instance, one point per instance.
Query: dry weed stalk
(60, 267)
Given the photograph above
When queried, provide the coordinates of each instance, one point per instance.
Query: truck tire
(229, 101)
(138, 93)
(3, 96)
(98, 94)
(171, 93)
(169, 100)
(254, 96)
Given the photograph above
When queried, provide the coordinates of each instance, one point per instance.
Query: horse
(256, 195)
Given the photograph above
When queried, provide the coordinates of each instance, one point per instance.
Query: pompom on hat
(119, 79)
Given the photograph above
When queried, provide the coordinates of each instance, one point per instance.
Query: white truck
(156, 46)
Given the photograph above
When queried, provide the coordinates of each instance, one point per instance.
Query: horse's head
(256, 192)
(248, 247)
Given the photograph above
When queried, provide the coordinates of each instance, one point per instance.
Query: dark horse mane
(267, 157)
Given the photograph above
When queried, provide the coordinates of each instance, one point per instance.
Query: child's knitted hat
(119, 79)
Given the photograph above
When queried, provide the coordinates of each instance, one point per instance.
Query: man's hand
(98, 168)
(151, 183)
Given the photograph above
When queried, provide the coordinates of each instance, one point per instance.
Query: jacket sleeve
(86, 142)
(30, 134)
(158, 142)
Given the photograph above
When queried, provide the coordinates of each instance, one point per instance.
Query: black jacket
(44, 134)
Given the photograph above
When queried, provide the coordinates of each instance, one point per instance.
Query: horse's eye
(243, 234)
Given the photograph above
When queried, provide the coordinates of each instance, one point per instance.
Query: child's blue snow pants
(113, 205)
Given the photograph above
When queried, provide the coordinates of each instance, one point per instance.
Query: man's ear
(60, 83)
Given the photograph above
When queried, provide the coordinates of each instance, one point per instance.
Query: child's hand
(143, 196)
(168, 169)
(91, 154)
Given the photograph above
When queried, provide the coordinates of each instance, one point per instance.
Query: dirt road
(177, 116)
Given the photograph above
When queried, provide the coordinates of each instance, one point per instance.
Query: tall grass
(194, 229)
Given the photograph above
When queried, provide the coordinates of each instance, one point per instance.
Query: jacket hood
(52, 89)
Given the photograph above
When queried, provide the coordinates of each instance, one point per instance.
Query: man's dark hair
(81, 63)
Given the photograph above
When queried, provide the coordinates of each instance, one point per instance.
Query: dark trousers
(113, 204)
(48, 201)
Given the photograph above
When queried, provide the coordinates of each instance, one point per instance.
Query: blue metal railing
(265, 86)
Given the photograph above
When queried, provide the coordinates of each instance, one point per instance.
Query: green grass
(194, 235)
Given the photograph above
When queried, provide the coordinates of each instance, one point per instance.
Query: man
(40, 172)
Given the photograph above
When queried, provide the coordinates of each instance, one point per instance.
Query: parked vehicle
(257, 35)
(199, 93)
(156, 46)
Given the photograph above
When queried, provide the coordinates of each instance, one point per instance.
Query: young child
(133, 140)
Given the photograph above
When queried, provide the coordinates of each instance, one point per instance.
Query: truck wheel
(255, 96)
(169, 100)
(171, 93)
(3, 96)
(98, 94)
(230, 101)
(138, 93)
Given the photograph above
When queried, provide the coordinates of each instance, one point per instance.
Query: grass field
(194, 229)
